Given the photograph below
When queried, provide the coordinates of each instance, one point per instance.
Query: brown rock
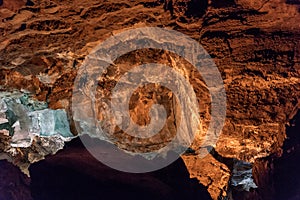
(254, 45)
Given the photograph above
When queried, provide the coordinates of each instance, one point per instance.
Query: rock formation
(255, 46)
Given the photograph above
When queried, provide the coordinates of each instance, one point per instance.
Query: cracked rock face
(255, 46)
(29, 130)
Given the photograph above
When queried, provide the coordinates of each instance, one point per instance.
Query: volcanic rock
(255, 46)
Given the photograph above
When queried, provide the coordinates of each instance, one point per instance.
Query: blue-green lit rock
(31, 104)
(24, 117)
(242, 175)
(50, 122)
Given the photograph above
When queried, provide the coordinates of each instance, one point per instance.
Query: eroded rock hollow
(254, 45)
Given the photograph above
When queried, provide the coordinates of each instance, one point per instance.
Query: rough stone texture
(29, 130)
(23, 157)
(254, 44)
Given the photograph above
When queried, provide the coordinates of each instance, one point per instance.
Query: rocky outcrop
(29, 130)
(255, 45)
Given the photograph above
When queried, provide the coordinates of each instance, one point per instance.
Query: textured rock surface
(254, 44)
(29, 130)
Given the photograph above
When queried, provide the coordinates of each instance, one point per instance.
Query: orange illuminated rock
(254, 45)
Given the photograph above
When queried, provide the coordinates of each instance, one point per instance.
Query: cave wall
(254, 45)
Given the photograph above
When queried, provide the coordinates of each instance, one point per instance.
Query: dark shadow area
(74, 174)
(229, 162)
(222, 4)
(14, 185)
(197, 8)
(29, 3)
(294, 2)
(278, 177)
(286, 168)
